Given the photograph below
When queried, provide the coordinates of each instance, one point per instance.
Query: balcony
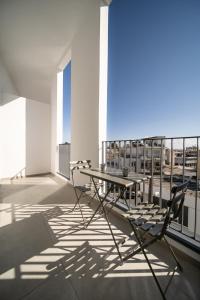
(41, 257)
(43, 260)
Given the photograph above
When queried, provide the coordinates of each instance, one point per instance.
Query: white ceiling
(34, 36)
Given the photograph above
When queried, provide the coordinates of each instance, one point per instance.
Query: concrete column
(89, 86)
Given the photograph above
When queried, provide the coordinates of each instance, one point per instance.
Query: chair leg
(91, 198)
(173, 255)
(148, 262)
(78, 203)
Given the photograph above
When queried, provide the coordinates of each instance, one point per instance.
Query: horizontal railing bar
(154, 138)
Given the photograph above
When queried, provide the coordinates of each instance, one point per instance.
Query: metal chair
(149, 223)
(81, 190)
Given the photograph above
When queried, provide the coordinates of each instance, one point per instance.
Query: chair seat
(153, 211)
(162, 211)
(134, 217)
(82, 188)
(157, 218)
(142, 220)
(148, 225)
(149, 213)
(156, 229)
(149, 206)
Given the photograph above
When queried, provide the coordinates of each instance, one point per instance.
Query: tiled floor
(46, 254)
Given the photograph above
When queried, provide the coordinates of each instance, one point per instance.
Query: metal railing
(64, 160)
(169, 161)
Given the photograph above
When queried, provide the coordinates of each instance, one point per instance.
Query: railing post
(171, 173)
(183, 179)
(161, 173)
(106, 153)
(102, 154)
(119, 155)
(183, 160)
(114, 153)
(144, 162)
(152, 170)
(130, 160)
(197, 188)
(136, 162)
(124, 154)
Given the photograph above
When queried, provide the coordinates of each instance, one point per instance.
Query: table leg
(101, 205)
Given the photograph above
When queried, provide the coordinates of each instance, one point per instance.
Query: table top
(136, 177)
(115, 176)
(107, 177)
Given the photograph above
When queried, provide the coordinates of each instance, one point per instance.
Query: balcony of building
(40, 256)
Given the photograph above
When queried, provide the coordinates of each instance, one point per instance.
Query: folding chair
(149, 223)
(81, 190)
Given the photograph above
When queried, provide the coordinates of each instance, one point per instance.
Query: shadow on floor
(22, 240)
(47, 261)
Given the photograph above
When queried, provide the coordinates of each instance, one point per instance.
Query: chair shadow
(81, 262)
(23, 239)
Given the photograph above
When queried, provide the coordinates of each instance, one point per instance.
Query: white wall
(12, 136)
(24, 138)
(12, 126)
(38, 153)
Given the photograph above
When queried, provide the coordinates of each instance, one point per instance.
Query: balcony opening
(65, 114)
(67, 104)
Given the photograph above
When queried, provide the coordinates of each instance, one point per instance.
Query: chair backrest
(176, 204)
(79, 164)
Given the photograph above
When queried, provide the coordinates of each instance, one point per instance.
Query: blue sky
(67, 103)
(154, 68)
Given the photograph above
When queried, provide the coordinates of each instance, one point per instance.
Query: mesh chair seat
(146, 212)
(146, 226)
(156, 229)
(141, 220)
(162, 211)
(133, 217)
(82, 188)
(87, 187)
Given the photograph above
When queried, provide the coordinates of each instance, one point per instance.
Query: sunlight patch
(10, 274)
